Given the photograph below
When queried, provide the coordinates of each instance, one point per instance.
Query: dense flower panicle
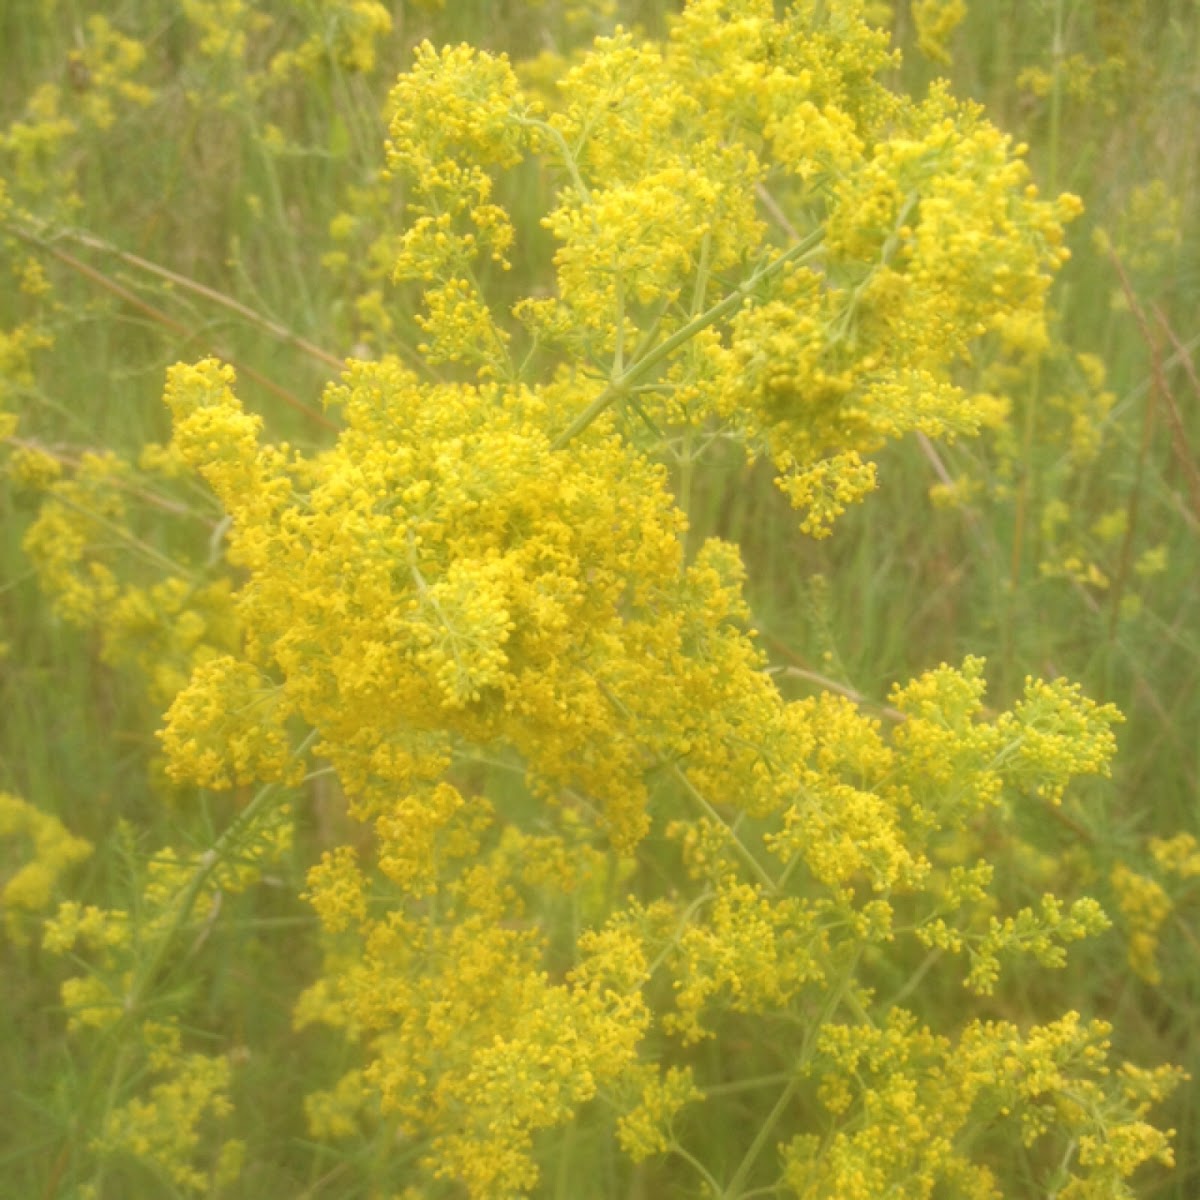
(646, 1129)
(915, 1095)
(483, 587)
(747, 954)
(462, 1022)
(214, 435)
(456, 121)
(236, 728)
(923, 229)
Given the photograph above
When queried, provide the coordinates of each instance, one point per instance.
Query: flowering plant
(610, 885)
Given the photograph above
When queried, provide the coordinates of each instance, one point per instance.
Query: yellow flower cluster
(225, 27)
(479, 600)
(89, 556)
(163, 1131)
(936, 21)
(1145, 906)
(445, 573)
(1147, 900)
(85, 508)
(101, 80)
(29, 885)
(1114, 59)
(443, 586)
(646, 1129)
(932, 234)
(163, 1102)
(480, 608)
(18, 346)
(348, 34)
(305, 42)
(1148, 233)
(454, 122)
(906, 1100)
(469, 1040)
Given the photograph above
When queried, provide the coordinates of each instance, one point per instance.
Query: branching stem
(640, 368)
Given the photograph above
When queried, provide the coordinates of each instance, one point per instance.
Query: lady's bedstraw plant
(619, 889)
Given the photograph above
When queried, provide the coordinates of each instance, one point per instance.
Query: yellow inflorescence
(597, 839)
(492, 569)
(30, 883)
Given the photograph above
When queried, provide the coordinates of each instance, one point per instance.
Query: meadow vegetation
(599, 599)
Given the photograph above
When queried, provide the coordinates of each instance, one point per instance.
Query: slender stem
(619, 352)
(207, 864)
(687, 453)
(914, 980)
(275, 193)
(178, 327)
(687, 460)
(197, 288)
(1058, 54)
(745, 1085)
(701, 282)
(428, 597)
(765, 1130)
(643, 366)
(1021, 517)
(124, 535)
(733, 1190)
(740, 848)
(1184, 457)
(568, 157)
(698, 1166)
(691, 910)
(110, 1103)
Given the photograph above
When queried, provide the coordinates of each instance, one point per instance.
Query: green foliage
(492, 781)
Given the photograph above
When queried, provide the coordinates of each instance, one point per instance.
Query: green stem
(687, 454)
(745, 1085)
(733, 1190)
(126, 536)
(698, 1166)
(687, 459)
(619, 352)
(568, 157)
(1021, 518)
(149, 969)
(208, 863)
(1058, 53)
(691, 910)
(740, 848)
(640, 368)
(296, 270)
